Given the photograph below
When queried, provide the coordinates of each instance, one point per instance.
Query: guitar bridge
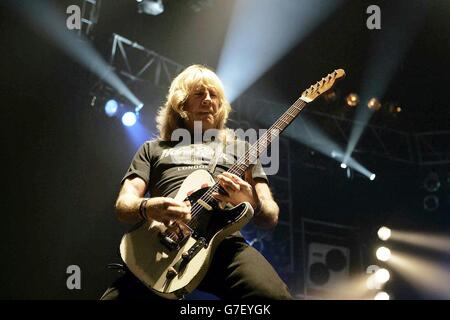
(166, 239)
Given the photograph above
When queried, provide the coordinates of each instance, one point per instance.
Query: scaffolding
(90, 12)
(139, 64)
(146, 64)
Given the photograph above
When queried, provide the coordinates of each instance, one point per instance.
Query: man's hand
(168, 210)
(238, 190)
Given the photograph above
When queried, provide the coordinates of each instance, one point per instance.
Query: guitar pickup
(204, 204)
(168, 242)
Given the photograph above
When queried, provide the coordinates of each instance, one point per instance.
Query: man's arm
(267, 218)
(252, 190)
(130, 196)
(162, 209)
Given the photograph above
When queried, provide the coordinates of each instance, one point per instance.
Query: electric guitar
(172, 264)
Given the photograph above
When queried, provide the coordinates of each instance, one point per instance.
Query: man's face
(202, 105)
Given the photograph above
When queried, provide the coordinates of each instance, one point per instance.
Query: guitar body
(173, 270)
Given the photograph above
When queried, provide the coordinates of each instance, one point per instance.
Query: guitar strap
(218, 151)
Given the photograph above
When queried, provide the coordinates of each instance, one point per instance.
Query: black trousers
(237, 271)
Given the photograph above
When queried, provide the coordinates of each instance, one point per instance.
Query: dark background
(64, 159)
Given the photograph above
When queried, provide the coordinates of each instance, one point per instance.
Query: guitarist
(238, 271)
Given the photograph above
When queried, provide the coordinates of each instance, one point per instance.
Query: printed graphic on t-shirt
(165, 165)
(194, 154)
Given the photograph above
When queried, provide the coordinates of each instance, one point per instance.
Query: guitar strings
(297, 107)
(207, 196)
(240, 162)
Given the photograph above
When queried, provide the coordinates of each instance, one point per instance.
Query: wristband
(143, 209)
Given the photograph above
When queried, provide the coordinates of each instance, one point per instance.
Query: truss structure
(90, 12)
(138, 63)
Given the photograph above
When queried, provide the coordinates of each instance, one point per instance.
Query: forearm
(267, 217)
(127, 208)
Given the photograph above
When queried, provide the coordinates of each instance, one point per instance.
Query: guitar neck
(254, 152)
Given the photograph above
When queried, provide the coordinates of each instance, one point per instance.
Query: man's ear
(183, 114)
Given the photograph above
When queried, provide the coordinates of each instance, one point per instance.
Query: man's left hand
(238, 190)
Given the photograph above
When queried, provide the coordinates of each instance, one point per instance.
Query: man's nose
(207, 99)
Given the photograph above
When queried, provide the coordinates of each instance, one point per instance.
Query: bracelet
(143, 209)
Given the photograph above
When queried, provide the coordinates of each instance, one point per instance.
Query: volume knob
(171, 273)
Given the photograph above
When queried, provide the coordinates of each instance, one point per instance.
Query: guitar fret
(264, 141)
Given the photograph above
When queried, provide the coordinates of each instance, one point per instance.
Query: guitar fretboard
(255, 151)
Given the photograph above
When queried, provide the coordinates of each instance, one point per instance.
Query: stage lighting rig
(374, 104)
(352, 100)
(150, 7)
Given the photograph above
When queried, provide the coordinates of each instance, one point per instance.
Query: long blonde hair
(170, 115)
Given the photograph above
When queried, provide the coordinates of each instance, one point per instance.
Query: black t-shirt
(164, 165)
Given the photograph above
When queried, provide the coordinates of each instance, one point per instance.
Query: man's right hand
(168, 210)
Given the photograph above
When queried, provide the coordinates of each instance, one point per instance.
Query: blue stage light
(111, 107)
(129, 119)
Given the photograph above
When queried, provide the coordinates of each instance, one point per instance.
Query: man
(196, 97)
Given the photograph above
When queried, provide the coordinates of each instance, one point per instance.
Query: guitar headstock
(322, 86)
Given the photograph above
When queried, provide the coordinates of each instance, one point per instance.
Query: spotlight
(111, 107)
(370, 283)
(343, 165)
(129, 119)
(382, 276)
(383, 254)
(372, 176)
(381, 296)
(384, 233)
(139, 107)
(349, 173)
(374, 104)
(151, 7)
(395, 109)
(352, 100)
